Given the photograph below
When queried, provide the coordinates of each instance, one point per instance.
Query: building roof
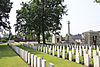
(90, 31)
(79, 36)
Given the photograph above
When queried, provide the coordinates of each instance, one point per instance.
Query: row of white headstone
(86, 61)
(79, 51)
(31, 59)
(45, 50)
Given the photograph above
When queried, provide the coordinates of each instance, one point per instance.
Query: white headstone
(86, 47)
(83, 48)
(97, 61)
(99, 53)
(26, 55)
(90, 47)
(58, 53)
(60, 48)
(63, 53)
(90, 53)
(97, 48)
(75, 46)
(41, 48)
(94, 53)
(23, 54)
(47, 46)
(77, 57)
(55, 48)
(86, 60)
(46, 50)
(43, 63)
(50, 51)
(29, 58)
(70, 55)
(84, 52)
(67, 49)
(50, 46)
(53, 51)
(80, 51)
(50, 65)
(76, 50)
(94, 46)
(38, 62)
(32, 60)
(35, 61)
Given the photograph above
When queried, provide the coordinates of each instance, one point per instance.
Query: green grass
(58, 62)
(8, 58)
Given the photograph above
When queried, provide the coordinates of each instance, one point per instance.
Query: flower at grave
(42, 57)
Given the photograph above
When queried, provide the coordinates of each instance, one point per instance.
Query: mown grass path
(58, 62)
(8, 58)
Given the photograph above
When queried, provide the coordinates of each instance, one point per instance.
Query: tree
(5, 7)
(25, 21)
(51, 14)
(97, 1)
(40, 16)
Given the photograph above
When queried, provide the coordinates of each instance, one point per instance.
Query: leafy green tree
(26, 23)
(40, 16)
(5, 7)
(51, 12)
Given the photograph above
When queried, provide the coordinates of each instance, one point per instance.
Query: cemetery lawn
(58, 62)
(8, 58)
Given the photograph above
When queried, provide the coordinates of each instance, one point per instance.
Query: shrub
(81, 59)
(91, 62)
(73, 57)
(67, 55)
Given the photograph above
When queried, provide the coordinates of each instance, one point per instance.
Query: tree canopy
(5, 7)
(40, 17)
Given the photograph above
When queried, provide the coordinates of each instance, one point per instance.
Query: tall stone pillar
(68, 27)
(68, 30)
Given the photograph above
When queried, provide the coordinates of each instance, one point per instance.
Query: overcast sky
(83, 15)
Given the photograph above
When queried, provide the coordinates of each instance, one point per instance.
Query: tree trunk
(38, 37)
(43, 37)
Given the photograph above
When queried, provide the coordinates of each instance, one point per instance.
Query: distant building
(91, 37)
(99, 34)
(77, 38)
(56, 39)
